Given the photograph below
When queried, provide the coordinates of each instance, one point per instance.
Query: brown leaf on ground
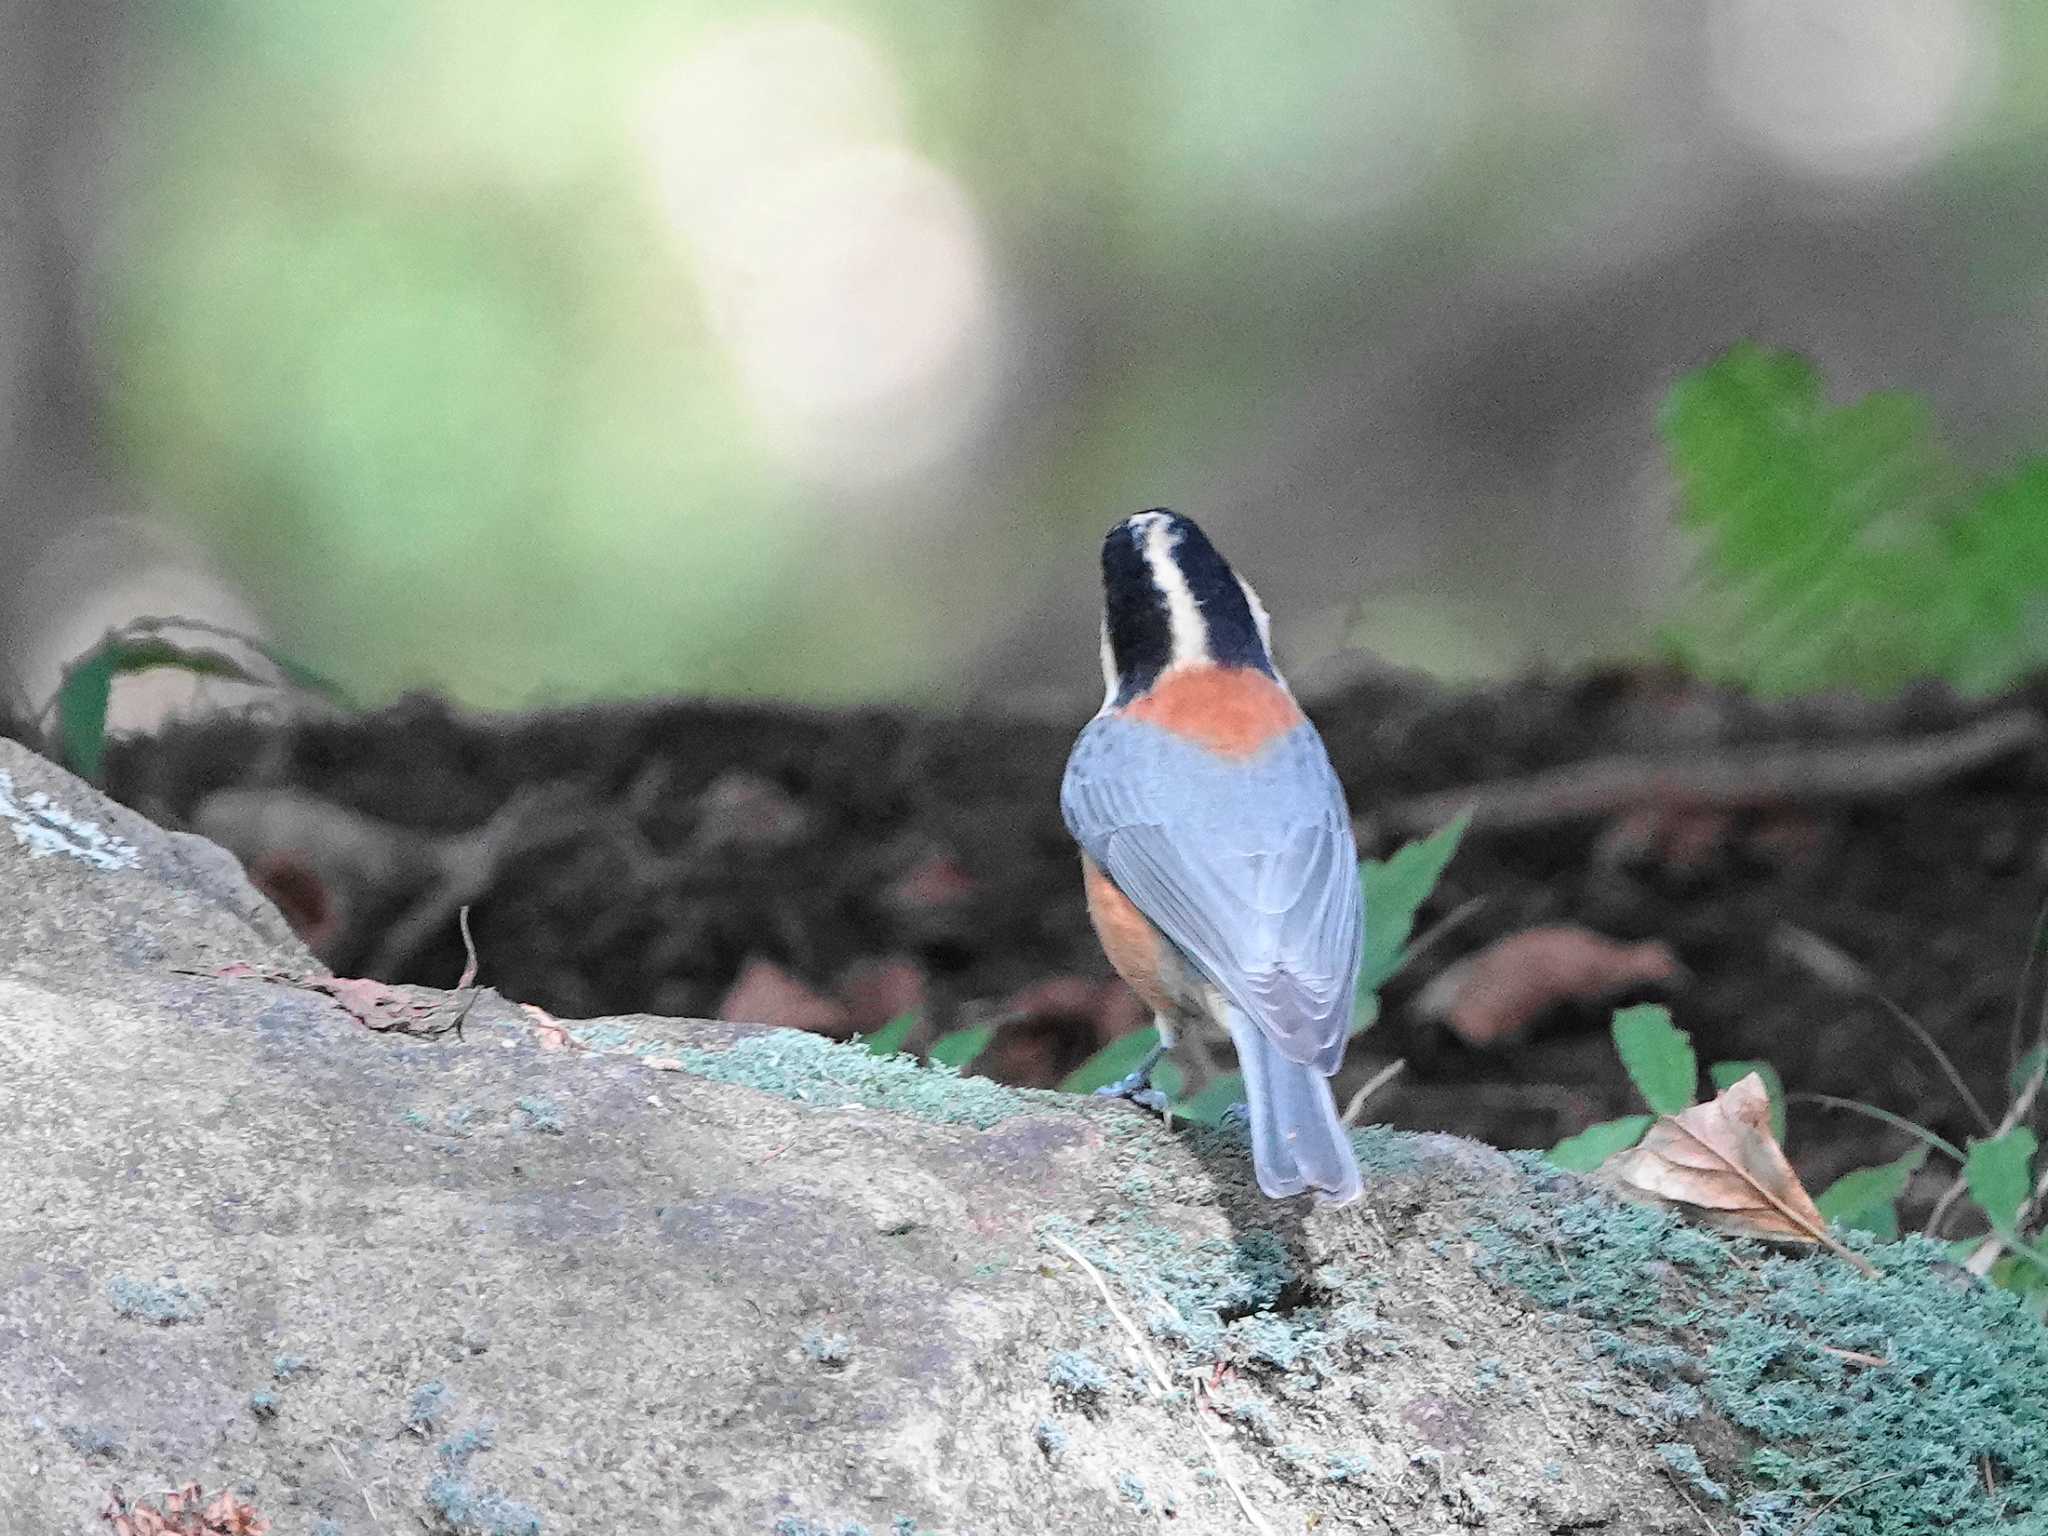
(293, 883)
(876, 991)
(1055, 1025)
(552, 1035)
(1498, 993)
(748, 812)
(765, 993)
(1718, 1163)
(374, 1004)
(935, 881)
(184, 1512)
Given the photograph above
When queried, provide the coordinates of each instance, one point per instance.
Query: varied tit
(1216, 850)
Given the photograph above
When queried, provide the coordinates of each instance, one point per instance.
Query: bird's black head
(1169, 599)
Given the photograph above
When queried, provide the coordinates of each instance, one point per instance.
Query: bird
(1217, 855)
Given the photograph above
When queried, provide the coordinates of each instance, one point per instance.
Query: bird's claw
(1138, 1089)
(1236, 1118)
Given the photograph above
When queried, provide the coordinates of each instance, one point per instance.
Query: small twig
(1164, 1381)
(1940, 1144)
(1441, 929)
(1868, 1482)
(2014, 1049)
(1372, 1085)
(1564, 1263)
(1605, 786)
(1854, 1356)
(1697, 1513)
(468, 977)
(349, 1473)
(1835, 968)
(1986, 1254)
(469, 864)
(2016, 1112)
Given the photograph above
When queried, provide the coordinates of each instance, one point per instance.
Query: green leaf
(1207, 1107)
(959, 1048)
(1597, 1143)
(1726, 1074)
(1118, 1059)
(1998, 1176)
(1867, 1199)
(888, 1040)
(89, 684)
(1395, 889)
(301, 676)
(82, 711)
(1657, 1056)
(1846, 546)
(2022, 1074)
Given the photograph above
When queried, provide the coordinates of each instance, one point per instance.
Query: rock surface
(646, 1275)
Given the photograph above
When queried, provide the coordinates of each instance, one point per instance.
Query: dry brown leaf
(185, 1512)
(1498, 993)
(1718, 1163)
(375, 1004)
(764, 993)
(552, 1036)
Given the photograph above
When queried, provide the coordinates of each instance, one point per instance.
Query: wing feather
(1247, 865)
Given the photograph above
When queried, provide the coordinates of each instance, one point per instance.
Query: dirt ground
(639, 857)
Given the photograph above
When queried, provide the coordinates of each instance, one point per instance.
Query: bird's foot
(1236, 1118)
(1138, 1089)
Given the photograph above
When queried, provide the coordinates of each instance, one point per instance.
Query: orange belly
(1138, 950)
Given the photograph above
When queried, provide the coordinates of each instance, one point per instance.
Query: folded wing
(1247, 864)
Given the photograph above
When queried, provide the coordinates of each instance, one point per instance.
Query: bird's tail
(1297, 1140)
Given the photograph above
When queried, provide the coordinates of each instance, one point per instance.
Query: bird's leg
(1138, 1086)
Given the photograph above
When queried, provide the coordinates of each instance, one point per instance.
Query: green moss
(428, 1405)
(1685, 1463)
(473, 1512)
(161, 1302)
(458, 1450)
(1076, 1374)
(817, 1071)
(1239, 1298)
(543, 1115)
(1132, 1487)
(828, 1349)
(90, 1441)
(1846, 1448)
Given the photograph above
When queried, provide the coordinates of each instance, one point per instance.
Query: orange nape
(1234, 711)
(1135, 947)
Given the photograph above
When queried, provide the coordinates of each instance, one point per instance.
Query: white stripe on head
(1109, 677)
(1264, 621)
(1184, 621)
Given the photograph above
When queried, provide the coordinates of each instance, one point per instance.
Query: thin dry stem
(1164, 1381)
(1372, 1085)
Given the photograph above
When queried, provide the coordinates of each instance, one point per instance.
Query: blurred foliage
(1842, 546)
(424, 361)
(403, 321)
(144, 644)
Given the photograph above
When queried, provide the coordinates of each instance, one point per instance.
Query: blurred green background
(532, 350)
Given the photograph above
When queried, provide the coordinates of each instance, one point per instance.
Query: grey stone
(222, 1191)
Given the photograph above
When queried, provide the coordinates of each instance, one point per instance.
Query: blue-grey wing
(1247, 864)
